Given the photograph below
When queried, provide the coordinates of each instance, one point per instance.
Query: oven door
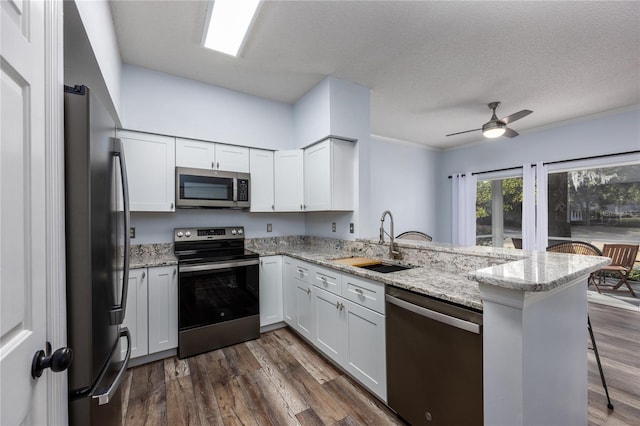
(205, 188)
(216, 292)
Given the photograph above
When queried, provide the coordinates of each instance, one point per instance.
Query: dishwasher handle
(434, 315)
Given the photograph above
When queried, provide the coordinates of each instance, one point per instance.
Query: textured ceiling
(432, 66)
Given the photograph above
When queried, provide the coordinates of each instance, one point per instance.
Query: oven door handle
(217, 265)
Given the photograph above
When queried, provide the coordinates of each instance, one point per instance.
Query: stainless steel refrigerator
(97, 256)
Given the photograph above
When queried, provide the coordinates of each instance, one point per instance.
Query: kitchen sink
(371, 264)
(385, 268)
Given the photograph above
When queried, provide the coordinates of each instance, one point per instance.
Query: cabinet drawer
(302, 271)
(327, 279)
(363, 292)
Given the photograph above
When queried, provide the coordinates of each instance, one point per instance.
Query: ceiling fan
(495, 128)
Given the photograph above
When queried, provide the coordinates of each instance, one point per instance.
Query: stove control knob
(233, 232)
(239, 231)
(187, 234)
(179, 234)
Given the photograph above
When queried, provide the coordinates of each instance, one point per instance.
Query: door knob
(60, 360)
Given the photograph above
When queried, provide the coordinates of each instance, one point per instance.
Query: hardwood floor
(280, 380)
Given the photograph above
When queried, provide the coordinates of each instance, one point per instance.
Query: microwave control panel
(243, 189)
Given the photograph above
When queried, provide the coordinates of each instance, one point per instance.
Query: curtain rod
(555, 162)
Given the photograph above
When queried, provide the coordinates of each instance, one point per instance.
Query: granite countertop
(150, 255)
(443, 271)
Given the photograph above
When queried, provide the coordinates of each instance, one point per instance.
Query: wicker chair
(580, 247)
(414, 235)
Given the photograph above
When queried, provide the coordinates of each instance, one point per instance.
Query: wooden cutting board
(358, 261)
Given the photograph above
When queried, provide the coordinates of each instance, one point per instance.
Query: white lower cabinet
(135, 316)
(163, 308)
(152, 310)
(271, 298)
(297, 295)
(352, 336)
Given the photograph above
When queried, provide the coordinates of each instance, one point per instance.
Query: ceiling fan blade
(515, 116)
(466, 131)
(510, 133)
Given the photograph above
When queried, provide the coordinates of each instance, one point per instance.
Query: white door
(196, 154)
(232, 158)
(261, 166)
(289, 181)
(163, 308)
(317, 176)
(23, 266)
(270, 290)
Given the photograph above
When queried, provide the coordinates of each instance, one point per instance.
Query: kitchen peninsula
(534, 308)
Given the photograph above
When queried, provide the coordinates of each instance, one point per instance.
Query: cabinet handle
(337, 304)
(300, 206)
(175, 271)
(305, 206)
(341, 306)
(171, 207)
(213, 165)
(143, 275)
(218, 165)
(308, 291)
(261, 262)
(359, 291)
(273, 207)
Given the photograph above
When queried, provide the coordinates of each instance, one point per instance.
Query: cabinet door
(135, 317)
(317, 176)
(197, 154)
(329, 320)
(270, 290)
(232, 158)
(151, 171)
(364, 355)
(163, 308)
(262, 180)
(289, 186)
(303, 315)
(288, 291)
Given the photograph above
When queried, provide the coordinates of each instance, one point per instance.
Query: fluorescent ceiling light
(228, 24)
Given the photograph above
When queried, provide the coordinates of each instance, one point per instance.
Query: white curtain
(463, 209)
(542, 203)
(528, 207)
(534, 207)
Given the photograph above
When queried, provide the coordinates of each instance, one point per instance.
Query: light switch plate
(333, 227)
(351, 228)
(132, 232)
(269, 227)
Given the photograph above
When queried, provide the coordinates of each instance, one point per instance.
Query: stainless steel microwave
(211, 188)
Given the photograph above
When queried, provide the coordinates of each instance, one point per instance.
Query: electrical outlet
(269, 227)
(132, 232)
(333, 227)
(351, 228)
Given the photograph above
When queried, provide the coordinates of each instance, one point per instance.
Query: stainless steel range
(218, 289)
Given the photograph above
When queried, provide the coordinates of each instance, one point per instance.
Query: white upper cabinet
(232, 158)
(262, 180)
(328, 175)
(196, 154)
(209, 155)
(150, 163)
(289, 181)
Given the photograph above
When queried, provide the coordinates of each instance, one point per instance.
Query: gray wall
(402, 180)
(618, 132)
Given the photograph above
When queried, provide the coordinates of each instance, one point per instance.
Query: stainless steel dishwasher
(434, 360)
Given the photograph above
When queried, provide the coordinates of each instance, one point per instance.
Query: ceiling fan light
(493, 129)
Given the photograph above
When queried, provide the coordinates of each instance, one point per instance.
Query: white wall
(158, 227)
(161, 103)
(311, 115)
(618, 132)
(402, 180)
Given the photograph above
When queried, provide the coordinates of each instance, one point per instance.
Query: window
(499, 212)
(597, 205)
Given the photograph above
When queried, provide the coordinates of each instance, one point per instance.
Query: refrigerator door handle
(104, 397)
(116, 313)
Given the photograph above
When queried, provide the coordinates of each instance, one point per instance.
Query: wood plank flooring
(280, 380)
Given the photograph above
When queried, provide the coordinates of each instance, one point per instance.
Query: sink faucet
(393, 252)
